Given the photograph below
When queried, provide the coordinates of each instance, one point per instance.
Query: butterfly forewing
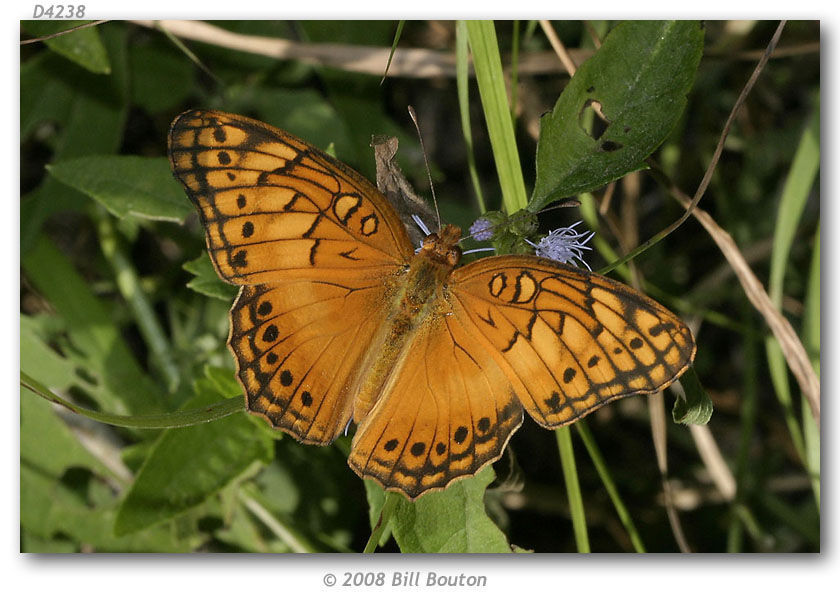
(569, 340)
(275, 208)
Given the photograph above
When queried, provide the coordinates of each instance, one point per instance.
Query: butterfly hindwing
(569, 340)
(447, 412)
(297, 347)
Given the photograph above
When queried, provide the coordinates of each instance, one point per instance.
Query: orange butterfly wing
(446, 413)
(311, 242)
(275, 208)
(569, 340)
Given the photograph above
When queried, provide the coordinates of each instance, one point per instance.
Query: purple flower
(565, 245)
(481, 230)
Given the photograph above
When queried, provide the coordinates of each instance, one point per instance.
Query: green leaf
(84, 46)
(450, 521)
(640, 77)
(39, 422)
(186, 466)
(95, 344)
(43, 96)
(695, 408)
(49, 508)
(306, 114)
(160, 79)
(462, 67)
(178, 418)
(89, 122)
(206, 281)
(798, 184)
(127, 185)
(52, 369)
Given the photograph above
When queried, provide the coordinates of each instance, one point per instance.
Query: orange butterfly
(338, 317)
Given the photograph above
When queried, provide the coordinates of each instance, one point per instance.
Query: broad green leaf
(39, 422)
(451, 521)
(43, 96)
(50, 509)
(83, 46)
(91, 122)
(639, 77)
(188, 465)
(42, 361)
(206, 281)
(223, 381)
(695, 408)
(127, 185)
(95, 344)
(306, 114)
(38, 545)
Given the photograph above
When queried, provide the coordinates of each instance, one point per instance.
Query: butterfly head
(443, 246)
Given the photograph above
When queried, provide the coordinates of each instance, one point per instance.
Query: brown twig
(792, 348)
(417, 63)
(783, 52)
(558, 46)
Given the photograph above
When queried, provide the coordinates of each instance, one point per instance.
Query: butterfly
(339, 319)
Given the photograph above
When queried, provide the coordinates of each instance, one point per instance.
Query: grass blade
(491, 85)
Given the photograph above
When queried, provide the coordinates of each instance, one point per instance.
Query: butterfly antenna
(426, 161)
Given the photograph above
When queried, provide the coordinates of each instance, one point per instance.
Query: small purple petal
(565, 245)
(481, 230)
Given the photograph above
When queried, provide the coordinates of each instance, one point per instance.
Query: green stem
(285, 532)
(391, 500)
(141, 307)
(491, 86)
(603, 472)
(567, 460)
(183, 418)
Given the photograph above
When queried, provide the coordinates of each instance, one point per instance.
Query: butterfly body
(417, 298)
(338, 317)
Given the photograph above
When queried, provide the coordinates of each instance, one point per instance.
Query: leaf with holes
(619, 107)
